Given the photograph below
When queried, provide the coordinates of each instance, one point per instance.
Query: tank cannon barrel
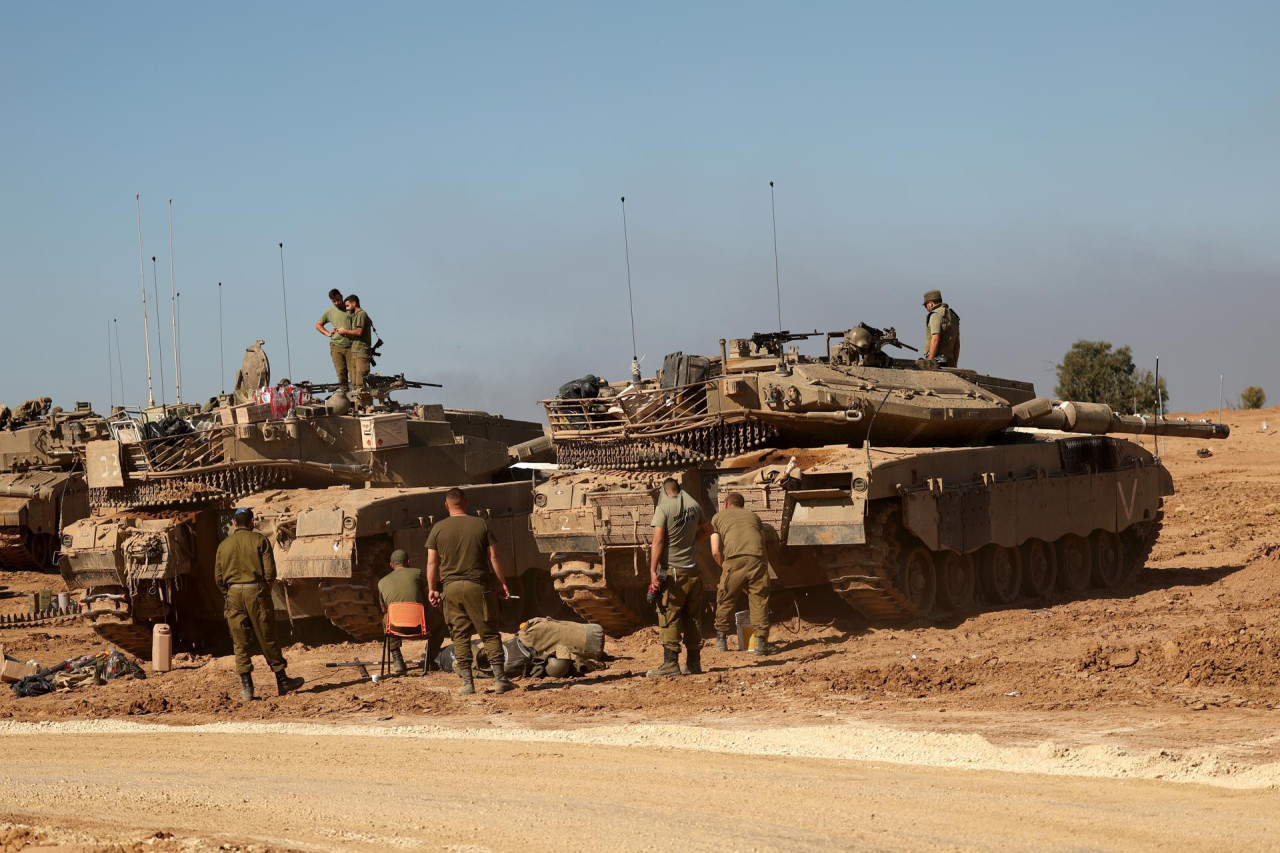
(1099, 419)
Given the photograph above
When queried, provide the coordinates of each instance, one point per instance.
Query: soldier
(675, 580)
(406, 583)
(942, 330)
(462, 563)
(244, 571)
(339, 344)
(737, 544)
(361, 337)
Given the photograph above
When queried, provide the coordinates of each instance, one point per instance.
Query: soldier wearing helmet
(942, 330)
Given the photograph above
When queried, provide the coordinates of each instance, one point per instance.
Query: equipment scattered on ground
(90, 669)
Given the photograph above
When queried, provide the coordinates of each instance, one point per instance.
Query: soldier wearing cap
(942, 330)
(408, 584)
(244, 570)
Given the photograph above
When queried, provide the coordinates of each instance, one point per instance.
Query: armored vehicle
(912, 492)
(332, 490)
(41, 483)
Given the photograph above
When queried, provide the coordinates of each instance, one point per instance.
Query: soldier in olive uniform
(674, 577)
(244, 570)
(942, 330)
(462, 561)
(361, 336)
(407, 584)
(737, 544)
(339, 343)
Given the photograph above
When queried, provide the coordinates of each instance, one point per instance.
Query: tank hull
(34, 505)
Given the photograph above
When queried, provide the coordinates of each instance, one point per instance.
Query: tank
(331, 490)
(909, 491)
(41, 484)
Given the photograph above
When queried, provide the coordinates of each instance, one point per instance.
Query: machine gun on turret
(864, 345)
(375, 385)
(771, 342)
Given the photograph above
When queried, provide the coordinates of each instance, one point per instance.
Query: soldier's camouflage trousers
(744, 574)
(339, 355)
(680, 609)
(252, 620)
(469, 609)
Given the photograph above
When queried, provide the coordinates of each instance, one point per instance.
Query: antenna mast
(155, 283)
(146, 327)
(285, 295)
(222, 356)
(111, 374)
(626, 246)
(119, 360)
(173, 302)
(777, 279)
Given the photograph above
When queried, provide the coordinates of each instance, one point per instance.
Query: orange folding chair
(405, 619)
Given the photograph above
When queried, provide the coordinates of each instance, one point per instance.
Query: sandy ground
(1104, 722)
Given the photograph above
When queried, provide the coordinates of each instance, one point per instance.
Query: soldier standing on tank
(942, 330)
(244, 570)
(675, 580)
(407, 584)
(361, 337)
(737, 544)
(463, 570)
(339, 344)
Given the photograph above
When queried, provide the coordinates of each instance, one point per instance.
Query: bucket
(64, 601)
(161, 649)
(746, 634)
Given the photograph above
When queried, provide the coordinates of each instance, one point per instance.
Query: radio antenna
(177, 343)
(631, 303)
(285, 295)
(111, 374)
(222, 355)
(119, 361)
(777, 279)
(173, 304)
(146, 324)
(155, 282)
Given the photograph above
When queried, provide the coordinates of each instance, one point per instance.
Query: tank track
(123, 633)
(1137, 541)
(352, 604)
(208, 488)
(587, 592)
(863, 575)
(16, 551)
(679, 449)
(51, 616)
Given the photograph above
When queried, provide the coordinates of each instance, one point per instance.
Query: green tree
(1092, 372)
(1253, 397)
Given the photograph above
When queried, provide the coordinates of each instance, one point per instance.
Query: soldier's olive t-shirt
(462, 542)
(360, 320)
(403, 584)
(339, 319)
(741, 534)
(680, 517)
(944, 323)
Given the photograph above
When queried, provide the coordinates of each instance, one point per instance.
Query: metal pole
(146, 326)
(155, 283)
(173, 304)
(285, 295)
(222, 355)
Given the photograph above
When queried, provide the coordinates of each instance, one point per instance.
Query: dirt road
(328, 790)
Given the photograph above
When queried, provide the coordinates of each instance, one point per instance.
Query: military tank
(911, 491)
(41, 483)
(332, 492)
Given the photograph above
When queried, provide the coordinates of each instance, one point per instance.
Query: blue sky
(1061, 171)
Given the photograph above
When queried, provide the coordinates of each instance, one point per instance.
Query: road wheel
(1075, 563)
(1001, 570)
(956, 579)
(1108, 559)
(918, 580)
(1039, 568)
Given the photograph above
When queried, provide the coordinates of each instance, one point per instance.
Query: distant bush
(1091, 372)
(1253, 397)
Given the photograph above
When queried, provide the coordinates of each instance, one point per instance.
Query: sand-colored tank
(41, 484)
(911, 491)
(163, 485)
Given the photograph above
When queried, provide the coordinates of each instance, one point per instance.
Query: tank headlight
(859, 484)
(349, 523)
(66, 540)
(539, 499)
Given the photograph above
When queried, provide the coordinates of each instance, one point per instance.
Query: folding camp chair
(405, 619)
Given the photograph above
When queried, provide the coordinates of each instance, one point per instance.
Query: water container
(161, 649)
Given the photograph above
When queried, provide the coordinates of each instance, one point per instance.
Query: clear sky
(1100, 170)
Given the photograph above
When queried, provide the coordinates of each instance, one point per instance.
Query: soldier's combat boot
(670, 665)
(764, 647)
(246, 687)
(500, 682)
(468, 683)
(722, 643)
(285, 684)
(693, 661)
(397, 663)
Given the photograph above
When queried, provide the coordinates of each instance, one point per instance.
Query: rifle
(771, 342)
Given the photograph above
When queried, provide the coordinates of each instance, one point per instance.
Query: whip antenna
(631, 302)
(222, 356)
(111, 374)
(285, 295)
(146, 327)
(177, 343)
(173, 304)
(155, 282)
(777, 279)
(119, 361)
